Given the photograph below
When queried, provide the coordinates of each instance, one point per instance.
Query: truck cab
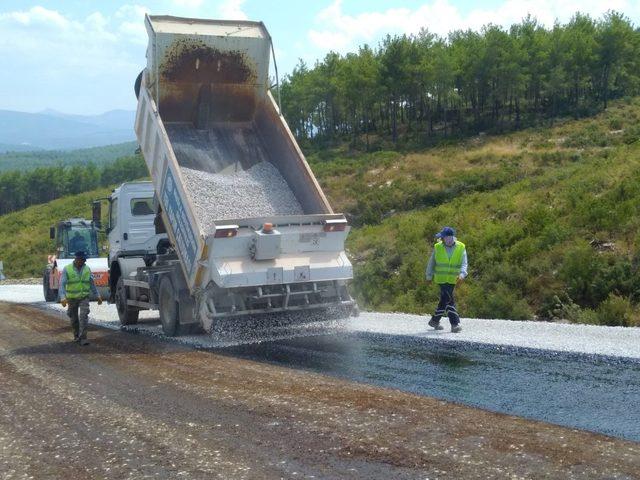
(131, 231)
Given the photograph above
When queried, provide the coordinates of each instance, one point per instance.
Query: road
(132, 406)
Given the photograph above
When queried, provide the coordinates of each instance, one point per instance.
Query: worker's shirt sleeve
(431, 266)
(62, 289)
(465, 264)
(92, 284)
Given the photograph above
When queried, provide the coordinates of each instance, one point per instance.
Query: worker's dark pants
(78, 312)
(447, 305)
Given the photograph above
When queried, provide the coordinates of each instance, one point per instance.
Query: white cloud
(36, 16)
(232, 10)
(131, 19)
(188, 3)
(78, 64)
(343, 32)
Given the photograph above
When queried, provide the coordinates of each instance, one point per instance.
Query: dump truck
(71, 235)
(237, 224)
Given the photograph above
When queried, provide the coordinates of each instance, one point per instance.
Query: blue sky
(83, 56)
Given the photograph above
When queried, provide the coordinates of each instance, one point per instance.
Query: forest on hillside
(99, 156)
(20, 189)
(414, 89)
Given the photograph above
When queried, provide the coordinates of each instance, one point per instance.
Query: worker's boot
(84, 341)
(456, 328)
(435, 324)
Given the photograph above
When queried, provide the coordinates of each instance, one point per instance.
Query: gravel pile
(257, 192)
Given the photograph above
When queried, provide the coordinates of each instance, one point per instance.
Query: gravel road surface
(131, 406)
(552, 337)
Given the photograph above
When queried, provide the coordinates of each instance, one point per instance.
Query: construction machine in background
(209, 129)
(72, 235)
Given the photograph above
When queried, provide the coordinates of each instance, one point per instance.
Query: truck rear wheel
(128, 315)
(168, 308)
(50, 294)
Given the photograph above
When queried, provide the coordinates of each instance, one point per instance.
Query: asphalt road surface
(132, 406)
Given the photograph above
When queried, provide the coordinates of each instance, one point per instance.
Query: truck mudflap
(236, 302)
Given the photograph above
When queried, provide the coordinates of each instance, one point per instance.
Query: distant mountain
(52, 130)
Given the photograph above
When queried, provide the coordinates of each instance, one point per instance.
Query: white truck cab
(131, 231)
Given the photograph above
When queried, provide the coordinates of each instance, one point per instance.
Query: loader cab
(131, 230)
(74, 235)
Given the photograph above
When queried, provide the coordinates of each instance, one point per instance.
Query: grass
(25, 243)
(549, 216)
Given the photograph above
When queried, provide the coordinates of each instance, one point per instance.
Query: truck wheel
(137, 85)
(128, 315)
(50, 294)
(168, 307)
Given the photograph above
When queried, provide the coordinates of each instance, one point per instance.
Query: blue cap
(446, 232)
(81, 255)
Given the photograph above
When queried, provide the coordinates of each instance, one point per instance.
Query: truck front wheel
(168, 308)
(128, 315)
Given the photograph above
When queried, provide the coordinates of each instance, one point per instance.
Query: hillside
(25, 243)
(51, 130)
(549, 216)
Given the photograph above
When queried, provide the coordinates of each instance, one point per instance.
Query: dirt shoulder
(130, 406)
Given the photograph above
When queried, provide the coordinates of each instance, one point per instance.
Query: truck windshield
(81, 239)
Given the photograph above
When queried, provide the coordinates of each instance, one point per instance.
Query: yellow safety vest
(447, 269)
(78, 284)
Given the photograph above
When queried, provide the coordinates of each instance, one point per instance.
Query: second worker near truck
(76, 285)
(447, 267)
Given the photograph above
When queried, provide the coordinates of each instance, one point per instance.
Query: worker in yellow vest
(447, 267)
(76, 284)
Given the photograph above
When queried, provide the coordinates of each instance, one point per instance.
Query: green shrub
(497, 301)
(615, 311)
(631, 134)
(559, 307)
(588, 317)
(616, 123)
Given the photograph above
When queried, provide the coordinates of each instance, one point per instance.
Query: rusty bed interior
(219, 120)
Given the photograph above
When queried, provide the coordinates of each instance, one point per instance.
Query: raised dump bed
(250, 224)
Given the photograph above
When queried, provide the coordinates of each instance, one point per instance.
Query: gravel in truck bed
(259, 191)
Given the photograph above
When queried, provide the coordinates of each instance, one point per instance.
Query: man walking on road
(76, 285)
(447, 267)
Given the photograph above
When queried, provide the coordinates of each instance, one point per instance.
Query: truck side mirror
(52, 233)
(96, 214)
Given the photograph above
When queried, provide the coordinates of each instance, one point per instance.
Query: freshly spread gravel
(21, 281)
(257, 192)
(551, 337)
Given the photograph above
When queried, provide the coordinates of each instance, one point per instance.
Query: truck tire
(168, 307)
(50, 294)
(128, 315)
(137, 85)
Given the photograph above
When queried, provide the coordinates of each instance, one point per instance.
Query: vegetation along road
(130, 406)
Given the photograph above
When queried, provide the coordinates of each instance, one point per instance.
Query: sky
(82, 56)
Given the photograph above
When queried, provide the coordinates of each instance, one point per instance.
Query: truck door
(139, 232)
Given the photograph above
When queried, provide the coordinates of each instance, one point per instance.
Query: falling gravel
(259, 191)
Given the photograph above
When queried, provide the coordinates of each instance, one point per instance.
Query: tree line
(418, 88)
(100, 156)
(19, 190)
